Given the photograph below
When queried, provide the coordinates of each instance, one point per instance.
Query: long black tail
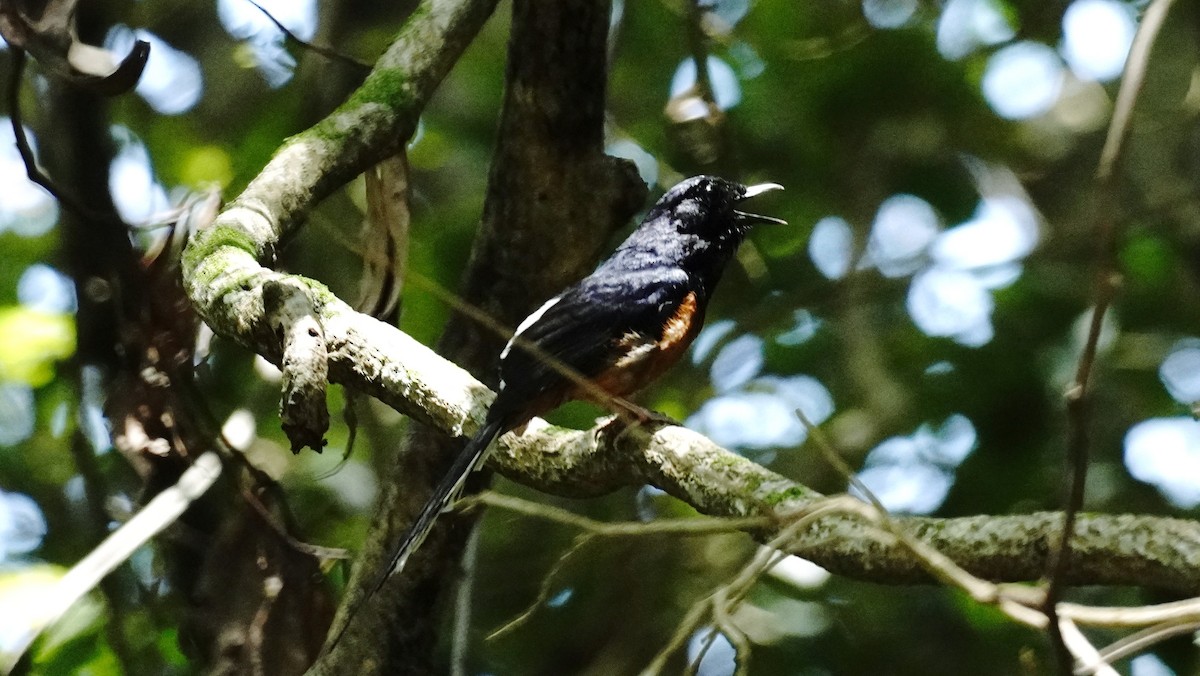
(444, 493)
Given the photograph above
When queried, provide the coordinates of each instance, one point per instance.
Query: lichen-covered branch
(222, 264)
(1108, 549)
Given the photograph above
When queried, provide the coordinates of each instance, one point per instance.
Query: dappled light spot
(1148, 664)
(912, 474)
(950, 296)
(805, 327)
(92, 421)
(145, 566)
(246, 22)
(22, 526)
(799, 392)
(560, 599)
(773, 618)
(940, 368)
(747, 421)
(45, 289)
(27, 209)
(763, 414)
(1023, 80)
(799, 573)
(1097, 35)
(354, 484)
(136, 194)
(916, 489)
(647, 164)
(23, 594)
(952, 304)
(204, 166)
(888, 13)
(728, 12)
(966, 25)
(904, 227)
(240, 429)
(1003, 229)
(725, 88)
(1180, 371)
(831, 246)
(719, 660)
(740, 360)
(710, 336)
(1165, 453)
(998, 276)
(171, 81)
(268, 372)
(749, 64)
(31, 342)
(646, 502)
(17, 413)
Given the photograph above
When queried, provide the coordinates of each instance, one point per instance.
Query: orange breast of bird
(645, 358)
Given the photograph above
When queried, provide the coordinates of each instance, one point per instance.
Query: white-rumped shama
(618, 328)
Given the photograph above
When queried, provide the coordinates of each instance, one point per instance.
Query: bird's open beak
(754, 191)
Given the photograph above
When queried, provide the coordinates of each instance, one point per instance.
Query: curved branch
(373, 124)
(382, 361)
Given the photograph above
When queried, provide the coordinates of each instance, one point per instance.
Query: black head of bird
(696, 225)
(707, 206)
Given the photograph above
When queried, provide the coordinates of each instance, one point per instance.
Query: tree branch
(382, 361)
(373, 124)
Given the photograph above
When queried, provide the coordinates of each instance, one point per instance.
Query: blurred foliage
(841, 112)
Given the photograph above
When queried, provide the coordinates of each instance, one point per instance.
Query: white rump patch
(528, 322)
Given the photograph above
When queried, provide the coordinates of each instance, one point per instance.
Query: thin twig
(96, 492)
(1079, 394)
(281, 531)
(544, 589)
(830, 454)
(1083, 651)
(361, 66)
(32, 170)
(1139, 641)
(733, 591)
(1175, 611)
(694, 526)
(593, 529)
(937, 564)
(463, 605)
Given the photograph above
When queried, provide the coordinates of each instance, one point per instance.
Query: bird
(618, 329)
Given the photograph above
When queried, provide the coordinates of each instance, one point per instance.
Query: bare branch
(1107, 280)
(32, 170)
(327, 52)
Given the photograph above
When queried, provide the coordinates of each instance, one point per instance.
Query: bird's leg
(630, 415)
(639, 415)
